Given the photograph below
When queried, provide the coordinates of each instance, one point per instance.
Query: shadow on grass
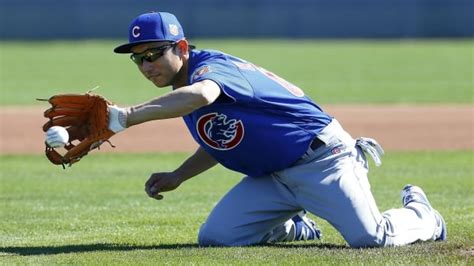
(52, 250)
(308, 245)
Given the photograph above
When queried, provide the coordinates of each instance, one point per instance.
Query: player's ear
(183, 47)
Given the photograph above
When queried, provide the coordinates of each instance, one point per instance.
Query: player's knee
(366, 240)
(209, 237)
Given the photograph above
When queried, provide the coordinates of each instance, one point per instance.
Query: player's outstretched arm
(160, 182)
(177, 103)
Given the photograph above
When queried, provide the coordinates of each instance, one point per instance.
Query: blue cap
(152, 27)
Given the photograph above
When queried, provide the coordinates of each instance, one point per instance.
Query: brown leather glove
(85, 117)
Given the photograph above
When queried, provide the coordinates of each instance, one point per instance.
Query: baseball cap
(152, 27)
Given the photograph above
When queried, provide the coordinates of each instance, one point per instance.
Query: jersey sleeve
(223, 72)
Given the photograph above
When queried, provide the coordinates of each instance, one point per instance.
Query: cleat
(415, 194)
(306, 229)
(441, 225)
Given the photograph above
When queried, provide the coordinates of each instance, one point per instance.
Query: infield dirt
(396, 127)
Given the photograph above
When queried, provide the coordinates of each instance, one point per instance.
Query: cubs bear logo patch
(200, 71)
(219, 132)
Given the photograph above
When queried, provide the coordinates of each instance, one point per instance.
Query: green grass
(97, 213)
(428, 71)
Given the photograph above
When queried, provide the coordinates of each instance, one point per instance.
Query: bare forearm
(160, 182)
(175, 104)
(199, 162)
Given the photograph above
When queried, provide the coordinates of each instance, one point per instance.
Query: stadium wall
(82, 19)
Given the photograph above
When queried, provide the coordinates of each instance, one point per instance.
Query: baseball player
(295, 157)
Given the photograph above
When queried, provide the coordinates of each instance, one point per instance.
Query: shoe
(306, 229)
(415, 194)
(441, 225)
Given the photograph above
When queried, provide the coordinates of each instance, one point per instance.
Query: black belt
(316, 144)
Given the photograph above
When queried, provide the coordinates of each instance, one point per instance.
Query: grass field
(97, 213)
(436, 71)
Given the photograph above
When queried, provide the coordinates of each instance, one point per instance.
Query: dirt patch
(469, 252)
(396, 127)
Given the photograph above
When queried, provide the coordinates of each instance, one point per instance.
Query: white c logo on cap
(136, 31)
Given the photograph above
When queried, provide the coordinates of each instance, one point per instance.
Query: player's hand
(161, 182)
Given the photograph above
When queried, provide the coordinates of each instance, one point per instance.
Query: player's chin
(159, 81)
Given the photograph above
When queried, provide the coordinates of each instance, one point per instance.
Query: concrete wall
(68, 19)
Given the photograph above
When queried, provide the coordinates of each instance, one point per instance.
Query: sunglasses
(150, 55)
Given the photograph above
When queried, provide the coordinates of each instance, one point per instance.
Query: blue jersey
(260, 124)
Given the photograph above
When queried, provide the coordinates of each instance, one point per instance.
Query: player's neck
(181, 78)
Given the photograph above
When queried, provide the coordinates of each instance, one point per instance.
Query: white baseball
(57, 137)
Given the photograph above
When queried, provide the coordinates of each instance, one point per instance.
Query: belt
(316, 144)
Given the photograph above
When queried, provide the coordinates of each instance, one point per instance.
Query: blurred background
(338, 51)
(83, 19)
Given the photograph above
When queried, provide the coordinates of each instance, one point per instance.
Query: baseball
(57, 137)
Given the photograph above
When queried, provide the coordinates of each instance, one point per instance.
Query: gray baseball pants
(329, 182)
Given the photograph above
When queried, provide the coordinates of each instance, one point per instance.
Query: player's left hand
(161, 182)
(85, 117)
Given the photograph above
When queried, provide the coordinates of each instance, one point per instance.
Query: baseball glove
(85, 117)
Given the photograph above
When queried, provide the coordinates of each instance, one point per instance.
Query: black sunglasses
(151, 54)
